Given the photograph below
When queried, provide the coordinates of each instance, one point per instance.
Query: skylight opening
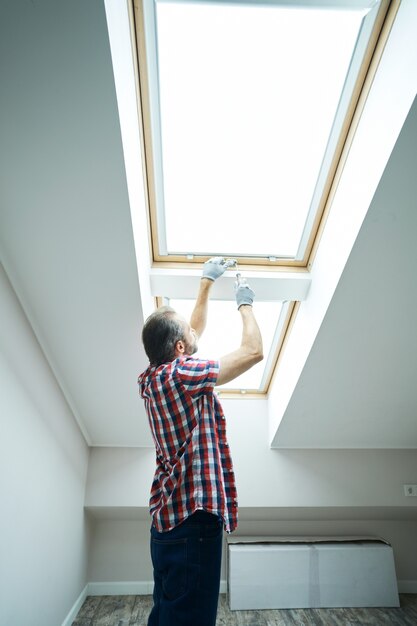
(246, 110)
(223, 335)
(246, 107)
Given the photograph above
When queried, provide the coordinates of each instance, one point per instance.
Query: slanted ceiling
(67, 245)
(358, 387)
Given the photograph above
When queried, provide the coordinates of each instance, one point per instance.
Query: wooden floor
(134, 611)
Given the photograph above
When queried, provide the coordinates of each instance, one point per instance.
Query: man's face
(190, 337)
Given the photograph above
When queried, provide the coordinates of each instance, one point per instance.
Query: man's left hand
(215, 267)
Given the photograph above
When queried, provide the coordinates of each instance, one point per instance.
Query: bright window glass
(248, 96)
(224, 331)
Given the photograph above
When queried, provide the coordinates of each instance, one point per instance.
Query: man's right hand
(243, 293)
(216, 267)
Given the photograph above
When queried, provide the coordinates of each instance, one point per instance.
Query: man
(193, 493)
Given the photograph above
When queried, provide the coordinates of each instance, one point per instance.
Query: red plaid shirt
(193, 464)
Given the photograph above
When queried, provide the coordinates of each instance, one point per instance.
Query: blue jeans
(186, 563)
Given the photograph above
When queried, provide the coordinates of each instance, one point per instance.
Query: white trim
(76, 607)
(121, 588)
(269, 287)
(122, 56)
(407, 586)
(128, 588)
(144, 588)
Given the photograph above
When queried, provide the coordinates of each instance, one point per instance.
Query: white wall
(312, 478)
(43, 468)
(299, 492)
(120, 547)
(266, 477)
(119, 551)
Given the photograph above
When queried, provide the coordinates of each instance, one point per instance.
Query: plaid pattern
(193, 463)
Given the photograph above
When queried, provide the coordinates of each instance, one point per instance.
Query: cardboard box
(310, 572)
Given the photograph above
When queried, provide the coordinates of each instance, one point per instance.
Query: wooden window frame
(373, 50)
(382, 26)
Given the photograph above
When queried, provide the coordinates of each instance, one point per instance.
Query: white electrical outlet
(410, 490)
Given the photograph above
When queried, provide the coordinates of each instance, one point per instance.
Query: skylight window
(246, 108)
(247, 102)
(224, 332)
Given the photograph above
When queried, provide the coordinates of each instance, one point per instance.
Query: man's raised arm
(213, 269)
(250, 351)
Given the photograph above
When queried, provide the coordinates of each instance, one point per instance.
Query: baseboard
(407, 586)
(145, 588)
(76, 607)
(120, 588)
(128, 588)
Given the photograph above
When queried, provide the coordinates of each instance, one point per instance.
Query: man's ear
(179, 347)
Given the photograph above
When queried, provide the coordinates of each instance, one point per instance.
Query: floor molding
(120, 588)
(407, 586)
(144, 588)
(128, 588)
(76, 607)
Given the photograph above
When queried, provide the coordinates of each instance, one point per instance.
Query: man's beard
(190, 348)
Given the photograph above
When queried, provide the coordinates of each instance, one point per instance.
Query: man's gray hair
(160, 334)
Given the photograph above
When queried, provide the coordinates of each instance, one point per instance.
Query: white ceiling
(67, 245)
(65, 228)
(358, 387)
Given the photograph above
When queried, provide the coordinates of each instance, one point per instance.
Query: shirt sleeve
(198, 376)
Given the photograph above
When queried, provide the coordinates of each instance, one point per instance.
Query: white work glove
(243, 293)
(215, 267)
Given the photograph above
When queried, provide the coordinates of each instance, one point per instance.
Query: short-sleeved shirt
(193, 464)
